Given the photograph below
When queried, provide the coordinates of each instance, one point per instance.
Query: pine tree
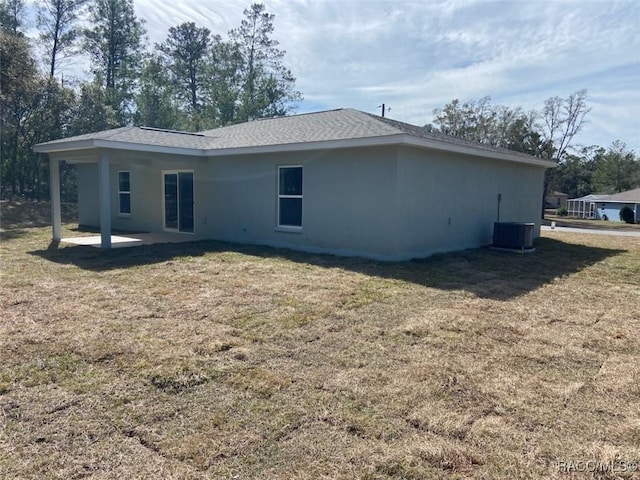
(155, 102)
(186, 50)
(267, 86)
(57, 20)
(116, 49)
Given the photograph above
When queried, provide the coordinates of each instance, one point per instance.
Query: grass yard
(209, 360)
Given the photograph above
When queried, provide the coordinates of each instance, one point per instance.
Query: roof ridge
(275, 117)
(111, 133)
(167, 130)
(387, 121)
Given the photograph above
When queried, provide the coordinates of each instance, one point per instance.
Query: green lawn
(211, 360)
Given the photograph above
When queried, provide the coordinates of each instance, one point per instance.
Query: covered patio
(138, 150)
(105, 239)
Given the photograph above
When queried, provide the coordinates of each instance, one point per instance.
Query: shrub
(562, 212)
(627, 215)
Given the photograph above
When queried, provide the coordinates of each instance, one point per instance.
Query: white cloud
(416, 55)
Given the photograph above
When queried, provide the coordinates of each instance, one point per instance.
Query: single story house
(342, 181)
(556, 200)
(605, 207)
(584, 207)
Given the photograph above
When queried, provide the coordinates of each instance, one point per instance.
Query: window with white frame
(124, 193)
(290, 196)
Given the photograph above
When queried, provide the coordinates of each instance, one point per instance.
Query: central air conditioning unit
(513, 236)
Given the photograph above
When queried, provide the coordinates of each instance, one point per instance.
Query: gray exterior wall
(146, 189)
(450, 202)
(389, 203)
(348, 200)
(612, 210)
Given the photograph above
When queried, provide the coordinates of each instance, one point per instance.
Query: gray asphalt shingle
(628, 196)
(143, 136)
(340, 124)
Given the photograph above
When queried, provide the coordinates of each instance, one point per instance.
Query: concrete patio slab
(130, 240)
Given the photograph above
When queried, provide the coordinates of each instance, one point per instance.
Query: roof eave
(53, 147)
(477, 152)
(114, 145)
(143, 147)
(393, 139)
(616, 200)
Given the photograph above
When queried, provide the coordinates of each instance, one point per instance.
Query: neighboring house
(584, 207)
(556, 200)
(605, 207)
(341, 181)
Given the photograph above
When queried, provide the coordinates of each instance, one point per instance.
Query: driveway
(621, 233)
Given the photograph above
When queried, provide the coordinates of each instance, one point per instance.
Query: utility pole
(382, 106)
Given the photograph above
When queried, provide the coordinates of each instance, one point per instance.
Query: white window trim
(289, 228)
(164, 225)
(120, 192)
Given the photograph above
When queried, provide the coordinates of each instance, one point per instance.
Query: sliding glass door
(178, 201)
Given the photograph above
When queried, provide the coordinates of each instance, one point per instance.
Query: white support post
(105, 201)
(54, 189)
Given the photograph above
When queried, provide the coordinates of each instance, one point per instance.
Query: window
(290, 197)
(124, 193)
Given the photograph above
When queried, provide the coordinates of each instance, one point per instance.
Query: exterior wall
(146, 189)
(612, 210)
(383, 202)
(347, 196)
(448, 202)
(146, 210)
(348, 201)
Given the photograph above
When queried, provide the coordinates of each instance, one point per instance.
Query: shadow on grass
(483, 272)
(13, 234)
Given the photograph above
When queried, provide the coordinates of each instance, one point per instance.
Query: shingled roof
(132, 135)
(332, 128)
(632, 196)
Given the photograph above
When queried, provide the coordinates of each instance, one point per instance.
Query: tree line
(193, 80)
(549, 133)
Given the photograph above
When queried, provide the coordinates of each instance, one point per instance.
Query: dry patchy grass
(209, 360)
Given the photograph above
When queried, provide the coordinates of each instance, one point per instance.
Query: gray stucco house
(341, 181)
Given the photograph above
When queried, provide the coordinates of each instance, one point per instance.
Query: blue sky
(417, 55)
